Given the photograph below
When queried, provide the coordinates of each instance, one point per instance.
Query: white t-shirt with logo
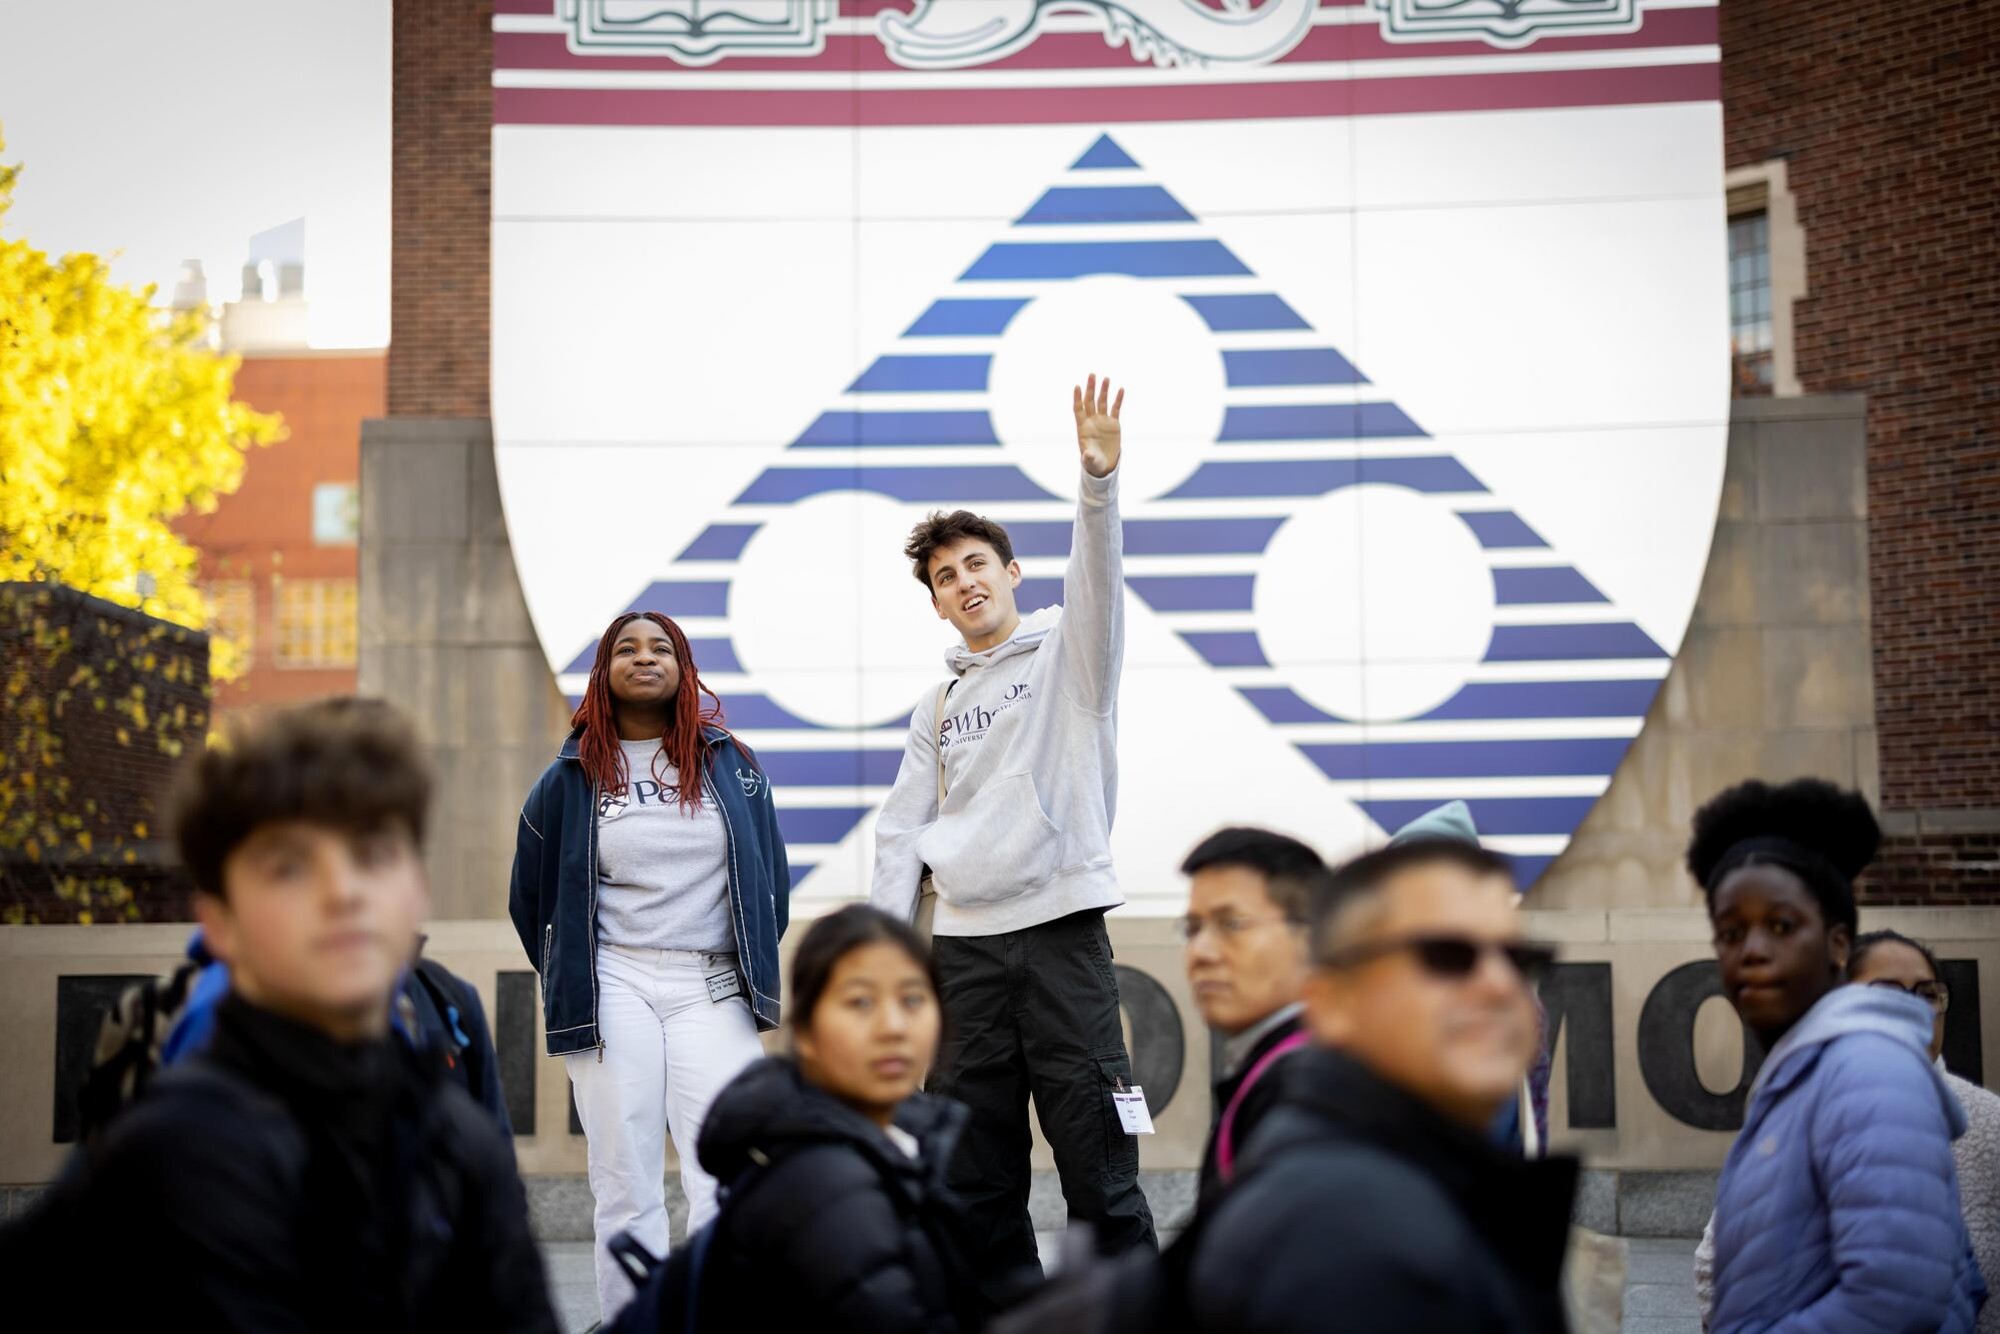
(662, 873)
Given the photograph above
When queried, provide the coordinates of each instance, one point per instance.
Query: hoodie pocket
(1001, 845)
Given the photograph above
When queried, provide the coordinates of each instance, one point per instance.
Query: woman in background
(1890, 959)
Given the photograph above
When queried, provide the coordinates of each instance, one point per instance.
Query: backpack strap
(631, 1255)
(937, 727)
(698, 1248)
(444, 990)
(700, 1244)
(926, 887)
(1225, 1149)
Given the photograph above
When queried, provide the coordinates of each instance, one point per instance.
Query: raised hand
(1098, 435)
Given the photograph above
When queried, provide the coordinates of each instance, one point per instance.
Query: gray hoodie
(1030, 745)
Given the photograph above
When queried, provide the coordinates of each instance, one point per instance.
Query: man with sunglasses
(1250, 894)
(1371, 1193)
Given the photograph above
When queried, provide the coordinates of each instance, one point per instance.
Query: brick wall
(1889, 117)
(440, 208)
(103, 706)
(262, 534)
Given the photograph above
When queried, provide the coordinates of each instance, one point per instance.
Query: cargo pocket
(1097, 945)
(1121, 1151)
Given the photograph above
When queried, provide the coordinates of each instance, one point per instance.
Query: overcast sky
(173, 129)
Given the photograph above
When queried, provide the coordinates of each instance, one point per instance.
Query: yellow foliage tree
(113, 422)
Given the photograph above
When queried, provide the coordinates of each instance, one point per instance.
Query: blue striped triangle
(1524, 575)
(1104, 153)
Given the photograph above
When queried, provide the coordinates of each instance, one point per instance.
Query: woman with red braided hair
(650, 890)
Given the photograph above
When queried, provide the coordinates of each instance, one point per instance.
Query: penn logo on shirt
(972, 725)
(642, 792)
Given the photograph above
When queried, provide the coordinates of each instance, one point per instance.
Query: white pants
(668, 1050)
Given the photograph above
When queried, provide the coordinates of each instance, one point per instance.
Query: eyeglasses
(1937, 994)
(1228, 925)
(1452, 957)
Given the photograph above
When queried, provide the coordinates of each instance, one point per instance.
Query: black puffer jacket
(827, 1225)
(1358, 1199)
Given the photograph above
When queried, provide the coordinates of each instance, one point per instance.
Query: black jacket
(1359, 1199)
(279, 1182)
(1261, 1098)
(836, 1229)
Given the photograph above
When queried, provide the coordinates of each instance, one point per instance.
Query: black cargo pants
(1035, 1013)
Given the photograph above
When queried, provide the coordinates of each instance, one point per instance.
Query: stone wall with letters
(1774, 680)
(1650, 1072)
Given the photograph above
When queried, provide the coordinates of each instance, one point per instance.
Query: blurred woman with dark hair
(1838, 1208)
(836, 1217)
(1893, 960)
(650, 890)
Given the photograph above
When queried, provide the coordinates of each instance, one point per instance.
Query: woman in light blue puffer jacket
(1838, 1208)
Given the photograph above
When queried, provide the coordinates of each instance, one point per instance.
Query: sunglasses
(1451, 957)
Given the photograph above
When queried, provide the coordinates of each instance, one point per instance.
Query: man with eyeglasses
(1370, 1196)
(1250, 894)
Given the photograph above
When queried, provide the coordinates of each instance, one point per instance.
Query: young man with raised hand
(1022, 746)
(305, 1170)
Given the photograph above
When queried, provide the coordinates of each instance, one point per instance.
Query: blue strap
(192, 1026)
(457, 1029)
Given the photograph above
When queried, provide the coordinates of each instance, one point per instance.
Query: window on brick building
(317, 623)
(336, 514)
(1750, 303)
(232, 614)
(1767, 273)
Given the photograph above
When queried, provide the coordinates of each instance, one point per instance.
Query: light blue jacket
(1838, 1209)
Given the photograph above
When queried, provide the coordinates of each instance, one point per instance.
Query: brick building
(1882, 126)
(279, 555)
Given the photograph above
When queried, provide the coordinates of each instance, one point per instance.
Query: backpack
(154, 1023)
(667, 1293)
(457, 1025)
(133, 1045)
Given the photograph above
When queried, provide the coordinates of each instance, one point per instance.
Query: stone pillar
(445, 636)
(1775, 678)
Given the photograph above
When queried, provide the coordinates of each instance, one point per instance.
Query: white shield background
(1542, 291)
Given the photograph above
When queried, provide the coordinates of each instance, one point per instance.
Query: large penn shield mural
(1420, 305)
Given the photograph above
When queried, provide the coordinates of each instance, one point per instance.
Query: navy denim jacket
(553, 897)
